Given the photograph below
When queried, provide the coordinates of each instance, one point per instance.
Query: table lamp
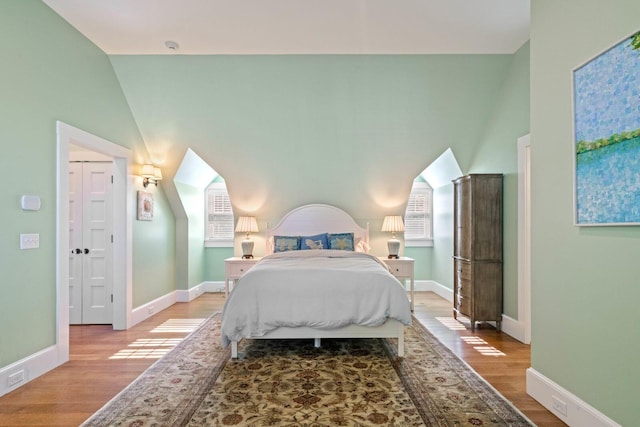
(247, 224)
(393, 223)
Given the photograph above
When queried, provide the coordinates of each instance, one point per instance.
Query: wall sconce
(247, 224)
(151, 174)
(393, 223)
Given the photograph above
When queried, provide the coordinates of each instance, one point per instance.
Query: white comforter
(323, 289)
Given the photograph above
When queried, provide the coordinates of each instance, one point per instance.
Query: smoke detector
(171, 45)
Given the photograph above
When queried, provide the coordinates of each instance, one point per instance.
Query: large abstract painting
(607, 136)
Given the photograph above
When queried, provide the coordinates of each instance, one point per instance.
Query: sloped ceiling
(346, 127)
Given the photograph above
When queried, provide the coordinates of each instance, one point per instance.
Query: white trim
(578, 412)
(418, 243)
(122, 263)
(147, 310)
(524, 238)
(122, 228)
(435, 287)
(191, 293)
(213, 287)
(514, 328)
(32, 367)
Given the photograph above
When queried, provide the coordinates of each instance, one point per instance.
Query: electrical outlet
(559, 405)
(15, 378)
(29, 241)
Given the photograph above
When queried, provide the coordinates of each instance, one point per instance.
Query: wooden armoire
(477, 248)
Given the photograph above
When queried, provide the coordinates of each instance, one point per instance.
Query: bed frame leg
(234, 349)
(401, 341)
(316, 342)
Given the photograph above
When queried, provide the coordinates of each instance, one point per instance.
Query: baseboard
(147, 310)
(29, 368)
(214, 286)
(513, 327)
(191, 293)
(563, 404)
(435, 287)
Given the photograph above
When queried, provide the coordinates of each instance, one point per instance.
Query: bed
(318, 293)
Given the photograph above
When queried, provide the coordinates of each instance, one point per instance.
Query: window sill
(418, 243)
(218, 244)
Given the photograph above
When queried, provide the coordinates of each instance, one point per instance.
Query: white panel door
(75, 243)
(91, 221)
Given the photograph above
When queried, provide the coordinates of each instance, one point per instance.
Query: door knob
(86, 251)
(76, 251)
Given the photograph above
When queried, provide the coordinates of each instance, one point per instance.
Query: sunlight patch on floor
(147, 348)
(482, 347)
(451, 323)
(179, 325)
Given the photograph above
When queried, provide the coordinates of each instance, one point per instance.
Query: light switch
(30, 241)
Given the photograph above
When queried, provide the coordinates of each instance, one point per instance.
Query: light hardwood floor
(103, 362)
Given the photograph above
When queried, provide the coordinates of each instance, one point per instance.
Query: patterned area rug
(357, 382)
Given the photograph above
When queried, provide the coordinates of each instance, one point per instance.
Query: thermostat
(30, 203)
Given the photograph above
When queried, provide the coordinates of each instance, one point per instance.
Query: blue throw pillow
(285, 243)
(341, 241)
(319, 241)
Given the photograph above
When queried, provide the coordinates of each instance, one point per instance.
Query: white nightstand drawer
(237, 269)
(400, 269)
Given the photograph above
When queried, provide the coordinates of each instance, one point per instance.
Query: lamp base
(393, 256)
(394, 247)
(247, 249)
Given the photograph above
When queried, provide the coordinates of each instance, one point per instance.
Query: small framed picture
(145, 206)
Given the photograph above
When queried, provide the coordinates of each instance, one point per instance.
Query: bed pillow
(362, 246)
(285, 243)
(341, 241)
(319, 241)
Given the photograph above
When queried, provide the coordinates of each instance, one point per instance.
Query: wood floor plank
(103, 362)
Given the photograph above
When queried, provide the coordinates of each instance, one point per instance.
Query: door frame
(524, 235)
(122, 229)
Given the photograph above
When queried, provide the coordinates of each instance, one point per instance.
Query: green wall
(192, 199)
(584, 279)
(154, 251)
(494, 152)
(49, 72)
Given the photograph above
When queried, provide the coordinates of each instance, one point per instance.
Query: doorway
(90, 255)
(122, 208)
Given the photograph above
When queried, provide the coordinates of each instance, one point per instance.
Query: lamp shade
(247, 224)
(393, 223)
(157, 174)
(147, 171)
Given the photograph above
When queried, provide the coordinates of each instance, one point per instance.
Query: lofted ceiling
(205, 27)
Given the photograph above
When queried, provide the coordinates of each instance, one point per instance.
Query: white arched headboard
(315, 219)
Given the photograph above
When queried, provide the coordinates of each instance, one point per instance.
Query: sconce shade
(157, 174)
(150, 175)
(147, 171)
(247, 224)
(393, 223)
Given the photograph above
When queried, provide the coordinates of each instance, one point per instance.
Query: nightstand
(401, 268)
(235, 267)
